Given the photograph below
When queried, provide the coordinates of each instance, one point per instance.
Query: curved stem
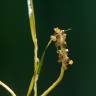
(7, 88)
(43, 56)
(56, 82)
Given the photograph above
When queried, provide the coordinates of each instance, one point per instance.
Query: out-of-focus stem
(7, 88)
(55, 83)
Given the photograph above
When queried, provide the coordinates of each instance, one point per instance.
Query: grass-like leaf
(34, 38)
(42, 57)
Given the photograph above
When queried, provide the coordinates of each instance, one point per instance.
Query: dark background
(16, 46)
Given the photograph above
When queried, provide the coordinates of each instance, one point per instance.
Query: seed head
(59, 38)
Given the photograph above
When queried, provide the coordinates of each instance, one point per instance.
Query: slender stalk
(7, 88)
(55, 83)
(35, 89)
(34, 38)
(42, 57)
(31, 86)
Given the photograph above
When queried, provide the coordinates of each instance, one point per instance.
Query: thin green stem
(43, 56)
(55, 83)
(31, 86)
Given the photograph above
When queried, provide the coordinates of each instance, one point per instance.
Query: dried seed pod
(70, 62)
(53, 38)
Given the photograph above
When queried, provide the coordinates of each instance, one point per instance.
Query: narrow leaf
(43, 56)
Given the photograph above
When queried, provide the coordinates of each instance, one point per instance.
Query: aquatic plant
(59, 40)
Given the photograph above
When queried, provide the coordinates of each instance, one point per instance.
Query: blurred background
(16, 46)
